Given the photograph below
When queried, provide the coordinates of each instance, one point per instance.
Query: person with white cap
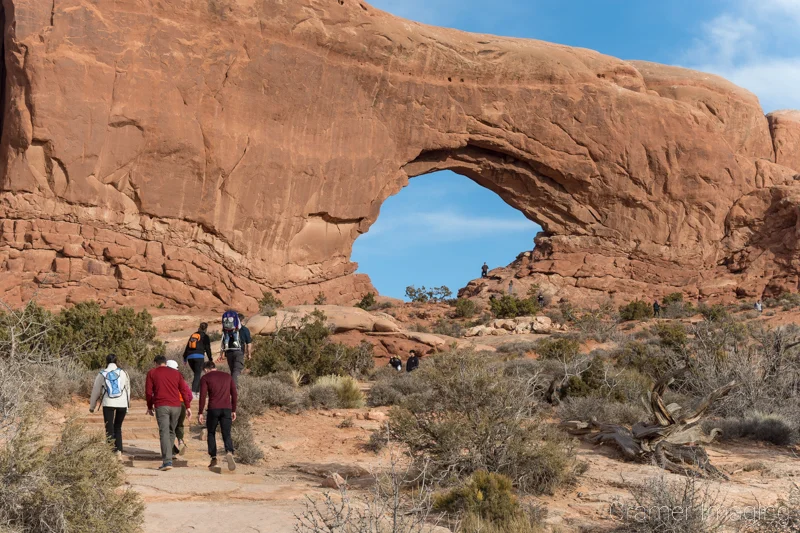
(180, 449)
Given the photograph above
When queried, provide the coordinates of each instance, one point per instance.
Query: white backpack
(113, 388)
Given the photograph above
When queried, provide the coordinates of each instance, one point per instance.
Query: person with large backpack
(197, 348)
(232, 347)
(112, 388)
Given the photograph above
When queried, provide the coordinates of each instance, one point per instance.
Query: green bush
(509, 306)
(422, 295)
(76, 486)
(644, 358)
(635, 310)
(447, 327)
(672, 335)
(320, 299)
(475, 418)
(488, 495)
(309, 351)
(269, 304)
(560, 349)
(672, 298)
(465, 308)
(84, 333)
(367, 302)
(395, 387)
(714, 313)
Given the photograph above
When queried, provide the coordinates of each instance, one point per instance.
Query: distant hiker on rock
(396, 363)
(247, 340)
(656, 309)
(540, 300)
(165, 392)
(232, 348)
(220, 389)
(759, 306)
(180, 448)
(113, 386)
(198, 347)
(413, 361)
(485, 271)
(511, 287)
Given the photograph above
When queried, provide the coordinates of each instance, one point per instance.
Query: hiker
(231, 348)
(220, 388)
(164, 389)
(413, 361)
(656, 309)
(759, 306)
(511, 287)
(247, 340)
(396, 363)
(198, 347)
(180, 449)
(485, 270)
(112, 388)
(540, 300)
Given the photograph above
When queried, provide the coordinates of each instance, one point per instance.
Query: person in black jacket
(413, 362)
(197, 348)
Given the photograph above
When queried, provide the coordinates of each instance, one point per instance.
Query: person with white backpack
(113, 389)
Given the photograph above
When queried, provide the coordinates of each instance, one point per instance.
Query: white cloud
(754, 44)
(443, 227)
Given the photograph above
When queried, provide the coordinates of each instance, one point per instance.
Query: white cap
(172, 364)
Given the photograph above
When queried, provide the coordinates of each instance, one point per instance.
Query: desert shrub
(77, 486)
(367, 302)
(323, 396)
(320, 299)
(770, 428)
(422, 295)
(595, 325)
(395, 387)
(348, 393)
(672, 335)
(683, 506)
(451, 328)
(490, 496)
(635, 310)
(602, 410)
(523, 523)
(247, 451)
(644, 358)
(509, 306)
(679, 309)
(256, 395)
(269, 304)
(672, 298)
(517, 348)
(713, 313)
(465, 308)
(309, 351)
(560, 349)
(470, 420)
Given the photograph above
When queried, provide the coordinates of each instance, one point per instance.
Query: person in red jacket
(163, 390)
(220, 389)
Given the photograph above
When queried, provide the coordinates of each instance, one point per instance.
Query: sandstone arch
(197, 153)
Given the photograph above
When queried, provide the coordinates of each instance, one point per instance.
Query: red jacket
(164, 387)
(220, 389)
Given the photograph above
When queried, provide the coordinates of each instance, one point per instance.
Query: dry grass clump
(771, 428)
(659, 505)
(75, 487)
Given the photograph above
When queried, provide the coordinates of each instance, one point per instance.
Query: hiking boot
(213, 462)
(165, 467)
(231, 462)
(181, 447)
(175, 450)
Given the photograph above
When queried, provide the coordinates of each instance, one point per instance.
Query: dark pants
(221, 417)
(197, 367)
(113, 417)
(179, 431)
(235, 363)
(484, 274)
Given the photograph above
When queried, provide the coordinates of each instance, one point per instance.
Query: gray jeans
(235, 363)
(167, 419)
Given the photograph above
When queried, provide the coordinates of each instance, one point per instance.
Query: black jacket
(412, 363)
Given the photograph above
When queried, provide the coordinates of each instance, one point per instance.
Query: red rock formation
(198, 152)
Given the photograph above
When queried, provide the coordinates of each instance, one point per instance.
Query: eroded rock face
(197, 153)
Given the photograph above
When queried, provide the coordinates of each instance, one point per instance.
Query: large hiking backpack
(113, 389)
(194, 341)
(230, 331)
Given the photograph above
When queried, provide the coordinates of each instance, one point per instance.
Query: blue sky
(440, 229)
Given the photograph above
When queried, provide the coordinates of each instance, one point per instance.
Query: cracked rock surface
(195, 153)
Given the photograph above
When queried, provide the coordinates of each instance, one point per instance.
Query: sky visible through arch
(440, 229)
